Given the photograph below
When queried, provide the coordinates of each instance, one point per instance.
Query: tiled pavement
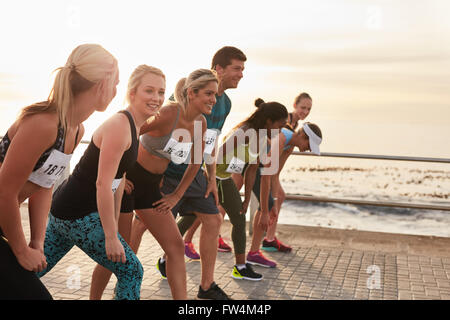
(313, 270)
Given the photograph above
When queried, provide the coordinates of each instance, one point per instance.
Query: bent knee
(175, 249)
(212, 221)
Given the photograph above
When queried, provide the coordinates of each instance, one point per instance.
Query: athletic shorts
(146, 189)
(193, 199)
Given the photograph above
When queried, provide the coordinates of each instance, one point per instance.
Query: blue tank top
(288, 134)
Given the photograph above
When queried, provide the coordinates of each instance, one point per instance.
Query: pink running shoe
(258, 259)
(223, 247)
(189, 251)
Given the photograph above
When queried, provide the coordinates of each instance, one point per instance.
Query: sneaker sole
(245, 278)
(162, 277)
(223, 250)
(260, 264)
(269, 249)
(196, 259)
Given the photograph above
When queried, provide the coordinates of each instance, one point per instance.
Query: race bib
(236, 166)
(178, 151)
(51, 170)
(115, 184)
(210, 140)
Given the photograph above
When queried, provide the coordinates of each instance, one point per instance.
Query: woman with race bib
(173, 135)
(33, 155)
(241, 151)
(86, 207)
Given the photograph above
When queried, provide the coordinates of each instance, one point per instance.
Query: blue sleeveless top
(288, 134)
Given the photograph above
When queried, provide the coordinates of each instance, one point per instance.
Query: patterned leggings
(87, 234)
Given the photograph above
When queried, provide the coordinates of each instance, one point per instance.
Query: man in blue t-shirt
(201, 199)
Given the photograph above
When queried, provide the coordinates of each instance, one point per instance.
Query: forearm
(249, 180)
(211, 172)
(188, 177)
(264, 193)
(118, 195)
(11, 224)
(274, 185)
(105, 206)
(38, 207)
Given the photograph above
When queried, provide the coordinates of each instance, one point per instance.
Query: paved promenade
(324, 264)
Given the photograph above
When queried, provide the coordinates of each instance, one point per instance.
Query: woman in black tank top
(33, 155)
(86, 206)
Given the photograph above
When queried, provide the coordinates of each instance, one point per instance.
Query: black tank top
(76, 197)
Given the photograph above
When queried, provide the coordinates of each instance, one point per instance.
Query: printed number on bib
(210, 140)
(115, 184)
(51, 170)
(236, 166)
(178, 151)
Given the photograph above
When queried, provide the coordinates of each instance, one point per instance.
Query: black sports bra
(58, 145)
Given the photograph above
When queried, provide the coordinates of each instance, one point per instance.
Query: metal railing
(254, 201)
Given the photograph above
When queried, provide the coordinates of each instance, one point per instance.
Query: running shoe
(275, 245)
(223, 247)
(189, 251)
(161, 267)
(213, 293)
(257, 258)
(246, 273)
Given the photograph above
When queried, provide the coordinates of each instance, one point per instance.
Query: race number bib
(115, 184)
(236, 166)
(178, 151)
(51, 170)
(210, 140)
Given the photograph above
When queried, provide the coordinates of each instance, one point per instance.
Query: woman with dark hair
(302, 107)
(308, 137)
(241, 150)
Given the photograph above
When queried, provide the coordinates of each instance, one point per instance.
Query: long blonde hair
(138, 74)
(87, 65)
(196, 80)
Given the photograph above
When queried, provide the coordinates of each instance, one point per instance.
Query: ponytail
(273, 111)
(87, 65)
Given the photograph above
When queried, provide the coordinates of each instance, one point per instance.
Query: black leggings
(16, 283)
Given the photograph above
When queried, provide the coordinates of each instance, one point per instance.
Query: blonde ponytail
(87, 65)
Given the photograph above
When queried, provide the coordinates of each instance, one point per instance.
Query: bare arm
(275, 181)
(39, 205)
(170, 200)
(33, 136)
(112, 138)
(277, 144)
(249, 181)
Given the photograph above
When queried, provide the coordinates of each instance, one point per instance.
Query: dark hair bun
(259, 102)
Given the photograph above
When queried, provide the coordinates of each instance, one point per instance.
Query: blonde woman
(85, 208)
(33, 155)
(160, 144)
(193, 95)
